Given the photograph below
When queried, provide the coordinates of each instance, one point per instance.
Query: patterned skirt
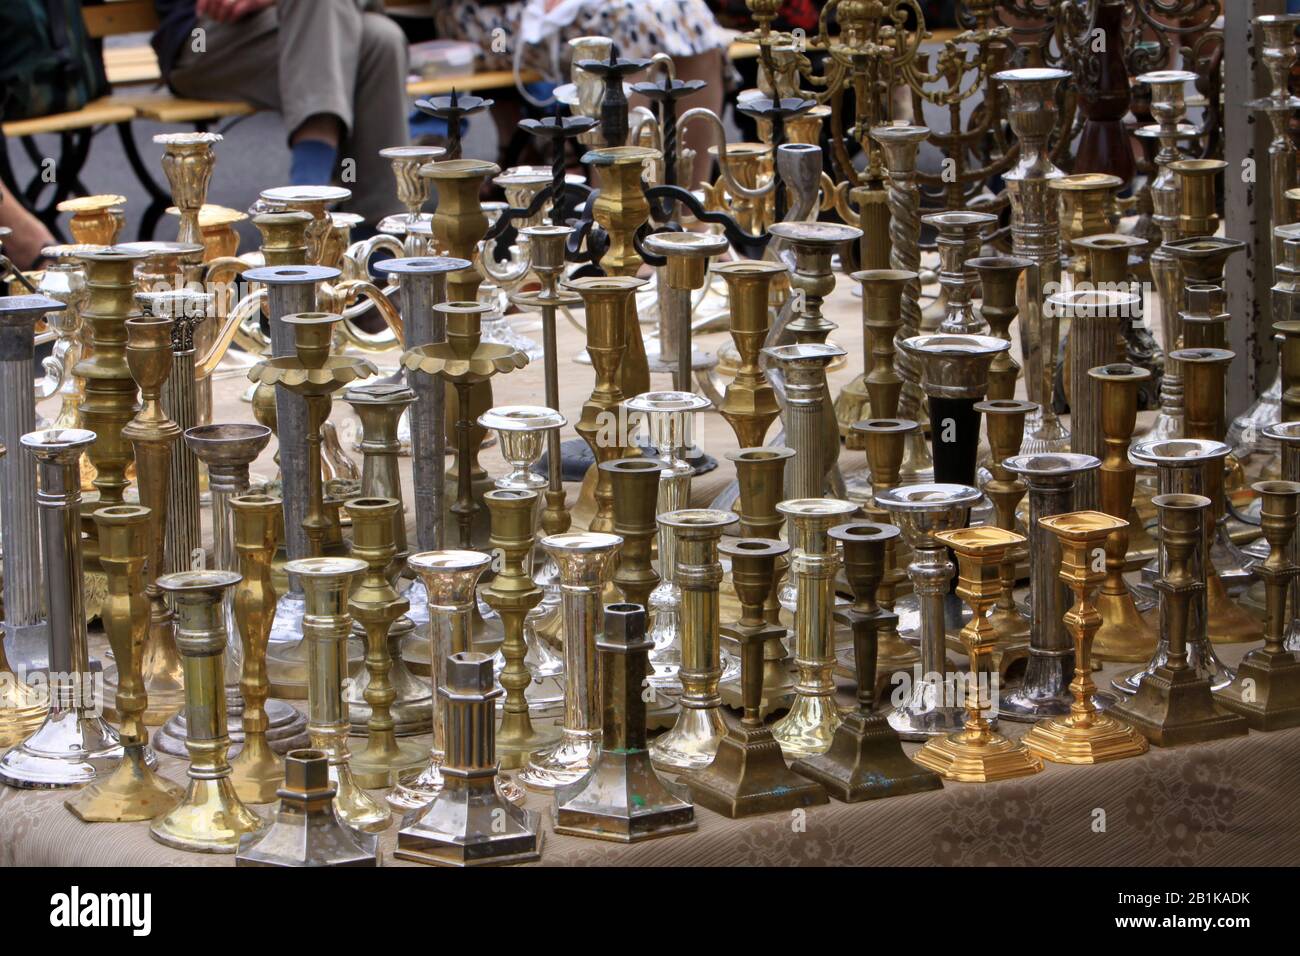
(640, 28)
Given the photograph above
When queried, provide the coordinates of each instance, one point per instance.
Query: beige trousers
(302, 58)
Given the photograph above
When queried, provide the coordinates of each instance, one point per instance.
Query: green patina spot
(638, 800)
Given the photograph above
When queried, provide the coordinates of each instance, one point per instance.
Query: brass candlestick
(748, 774)
(450, 579)
(95, 219)
(1086, 203)
(1173, 704)
(1006, 426)
(326, 627)
(865, 760)
(1087, 735)
(623, 799)
(307, 830)
(380, 407)
(693, 739)
(959, 240)
(804, 370)
(74, 744)
(749, 404)
(513, 594)
(999, 277)
(375, 605)
(1266, 691)
(1124, 635)
(468, 823)
(210, 818)
(133, 791)
(813, 718)
(878, 389)
(635, 484)
(977, 753)
(605, 302)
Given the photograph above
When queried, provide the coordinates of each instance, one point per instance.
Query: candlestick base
(692, 742)
(22, 710)
(286, 730)
(133, 792)
(257, 773)
(209, 819)
(866, 762)
(383, 767)
(1272, 700)
(623, 800)
(969, 758)
(567, 762)
(65, 751)
(1172, 708)
(749, 776)
(1103, 738)
(470, 827)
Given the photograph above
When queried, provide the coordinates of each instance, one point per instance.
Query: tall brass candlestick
(688, 255)
(1087, 735)
(977, 753)
(693, 740)
(623, 799)
(878, 389)
(635, 484)
(1266, 690)
(210, 818)
(1124, 635)
(133, 791)
(959, 241)
(804, 368)
(999, 276)
(750, 404)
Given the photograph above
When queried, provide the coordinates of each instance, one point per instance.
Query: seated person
(335, 70)
(27, 237)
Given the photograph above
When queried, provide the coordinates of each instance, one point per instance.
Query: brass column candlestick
(450, 579)
(693, 739)
(1044, 691)
(605, 302)
(875, 393)
(749, 404)
(865, 760)
(813, 718)
(22, 707)
(1287, 436)
(804, 368)
(375, 605)
(998, 277)
(1106, 263)
(920, 511)
(623, 799)
(1035, 235)
(1124, 635)
(1173, 704)
(899, 145)
(760, 473)
(380, 406)
(513, 594)
(306, 830)
(959, 240)
(635, 483)
(1277, 46)
(1087, 735)
(748, 774)
(468, 823)
(977, 753)
(584, 559)
(74, 745)
(327, 626)
(210, 818)
(1006, 426)
(133, 791)
(26, 626)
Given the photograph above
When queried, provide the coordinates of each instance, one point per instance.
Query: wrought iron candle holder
(73, 745)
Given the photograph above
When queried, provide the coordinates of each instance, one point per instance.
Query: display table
(1226, 803)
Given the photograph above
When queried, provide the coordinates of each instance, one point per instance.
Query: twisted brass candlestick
(1087, 735)
(1124, 635)
(1266, 691)
(133, 791)
(326, 628)
(623, 799)
(1173, 704)
(865, 760)
(977, 753)
(210, 818)
(999, 277)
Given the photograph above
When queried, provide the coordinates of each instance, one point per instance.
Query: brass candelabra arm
(356, 260)
(510, 277)
(242, 325)
(351, 290)
(720, 136)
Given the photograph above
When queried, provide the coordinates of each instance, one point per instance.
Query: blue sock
(311, 163)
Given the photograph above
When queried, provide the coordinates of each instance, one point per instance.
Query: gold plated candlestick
(813, 718)
(693, 739)
(1173, 704)
(635, 484)
(977, 753)
(1087, 735)
(865, 760)
(210, 818)
(1086, 203)
(999, 277)
(878, 389)
(95, 219)
(327, 626)
(133, 791)
(1124, 634)
(1266, 691)
(468, 823)
(623, 799)
(749, 404)
(375, 605)
(307, 830)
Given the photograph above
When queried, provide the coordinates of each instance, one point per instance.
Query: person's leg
(381, 115)
(236, 61)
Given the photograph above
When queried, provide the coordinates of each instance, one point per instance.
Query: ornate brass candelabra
(133, 791)
(1086, 735)
(977, 753)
